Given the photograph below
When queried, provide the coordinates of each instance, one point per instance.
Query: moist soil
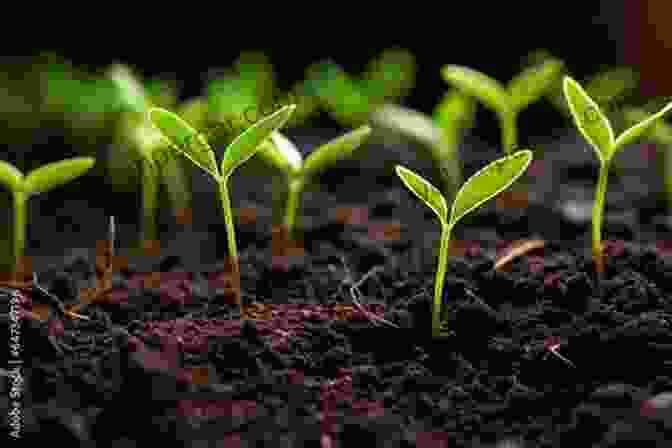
(336, 348)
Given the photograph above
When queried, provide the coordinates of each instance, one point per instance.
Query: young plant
(440, 134)
(141, 143)
(351, 99)
(479, 188)
(196, 148)
(39, 180)
(506, 101)
(283, 154)
(596, 129)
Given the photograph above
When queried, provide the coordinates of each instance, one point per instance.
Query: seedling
(596, 129)
(350, 99)
(485, 184)
(281, 153)
(156, 159)
(506, 101)
(440, 134)
(196, 148)
(37, 181)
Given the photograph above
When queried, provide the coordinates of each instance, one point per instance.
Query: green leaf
(633, 133)
(533, 82)
(131, 91)
(488, 182)
(409, 122)
(425, 191)
(589, 119)
(661, 132)
(472, 82)
(55, 174)
(10, 176)
(281, 153)
(335, 150)
(186, 139)
(456, 110)
(246, 144)
(612, 84)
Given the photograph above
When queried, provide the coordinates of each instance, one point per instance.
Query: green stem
(295, 187)
(509, 131)
(20, 220)
(598, 209)
(228, 219)
(440, 277)
(149, 201)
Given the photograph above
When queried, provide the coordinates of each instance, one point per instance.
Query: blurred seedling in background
(506, 101)
(22, 188)
(141, 153)
(440, 134)
(351, 100)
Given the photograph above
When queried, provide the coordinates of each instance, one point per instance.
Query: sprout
(596, 129)
(196, 148)
(440, 134)
(283, 154)
(39, 180)
(155, 157)
(479, 188)
(506, 101)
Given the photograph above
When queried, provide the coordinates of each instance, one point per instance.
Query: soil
(336, 350)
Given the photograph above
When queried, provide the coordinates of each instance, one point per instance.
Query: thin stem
(295, 187)
(440, 277)
(149, 201)
(20, 220)
(509, 131)
(598, 209)
(231, 238)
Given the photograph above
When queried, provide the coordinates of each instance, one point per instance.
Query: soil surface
(336, 350)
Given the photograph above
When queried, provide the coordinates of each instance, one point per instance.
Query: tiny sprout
(196, 148)
(39, 180)
(506, 101)
(281, 153)
(440, 134)
(156, 159)
(485, 184)
(596, 129)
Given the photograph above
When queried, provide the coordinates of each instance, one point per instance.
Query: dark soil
(539, 356)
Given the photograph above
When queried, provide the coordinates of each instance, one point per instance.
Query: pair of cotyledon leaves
(44, 178)
(282, 153)
(595, 126)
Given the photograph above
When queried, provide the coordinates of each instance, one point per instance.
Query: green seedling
(597, 130)
(485, 184)
(506, 101)
(281, 153)
(39, 180)
(661, 134)
(143, 145)
(248, 85)
(440, 134)
(351, 100)
(196, 148)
